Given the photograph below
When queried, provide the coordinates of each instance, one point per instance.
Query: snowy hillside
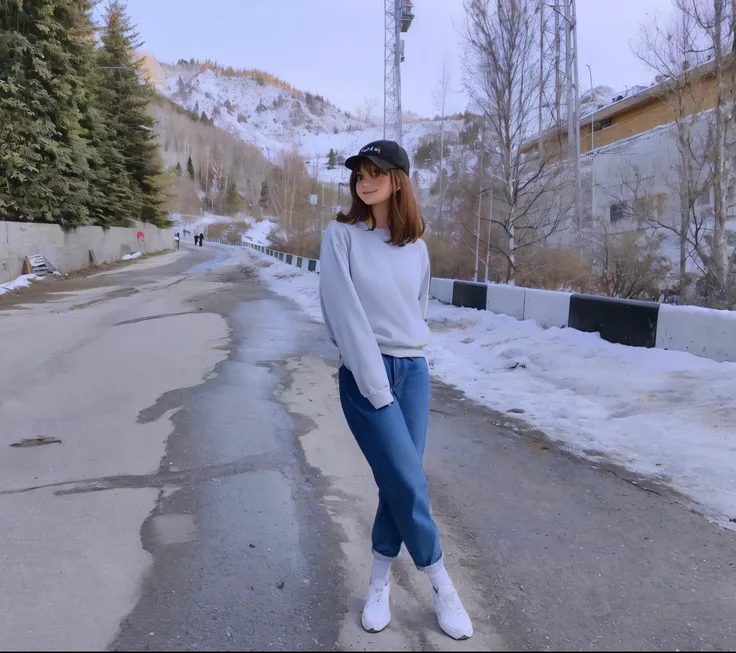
(275, 118)
(260, 113)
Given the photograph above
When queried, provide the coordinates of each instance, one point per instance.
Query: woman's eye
(360, 177)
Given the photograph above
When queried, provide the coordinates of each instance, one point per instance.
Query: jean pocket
(349, 392)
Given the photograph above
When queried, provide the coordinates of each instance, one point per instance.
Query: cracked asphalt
(206, 494)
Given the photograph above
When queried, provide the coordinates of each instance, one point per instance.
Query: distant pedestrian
(374, 289)
(176, 240)
(196, 240)
(201, 239)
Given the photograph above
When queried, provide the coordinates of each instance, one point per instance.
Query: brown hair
(405, 220)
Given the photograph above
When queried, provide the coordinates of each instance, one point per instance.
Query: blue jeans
(392, 440)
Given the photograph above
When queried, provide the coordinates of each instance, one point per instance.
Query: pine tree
(111, 198)
(190, 167)
(263, 202)
(233, 199)
(124, 101)
(331, 160)
(44, 148)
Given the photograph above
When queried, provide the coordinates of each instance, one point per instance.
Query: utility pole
(490, 223)
(397, 18)
(592, 147)
(480, 200)
(442, 161)
(573, 103)
(576, 68)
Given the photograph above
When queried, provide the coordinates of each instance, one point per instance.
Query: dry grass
(448, 259)
(305, 243)
(556, 268)
(230, 231)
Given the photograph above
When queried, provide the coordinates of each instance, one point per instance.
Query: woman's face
(373, 189)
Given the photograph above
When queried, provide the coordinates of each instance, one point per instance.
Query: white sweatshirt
(374, 300)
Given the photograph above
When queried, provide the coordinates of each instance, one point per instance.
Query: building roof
(643, 96)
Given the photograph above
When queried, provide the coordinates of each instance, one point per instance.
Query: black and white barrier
(701, 331)
(309, 264)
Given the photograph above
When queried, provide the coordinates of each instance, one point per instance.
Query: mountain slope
(275, 117)
(270, 114)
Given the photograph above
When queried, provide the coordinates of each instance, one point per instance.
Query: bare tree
(290, 186)
(440, 96)
(700, 34)
(673, 51)
(715, 18)
(503, 79)
(182, 137)
(366, 112)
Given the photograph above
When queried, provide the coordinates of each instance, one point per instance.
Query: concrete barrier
(621, 321)
(68, 251)
(433, 288)
(505, 299)
(548, 308)
(443, 289)
(700, 331)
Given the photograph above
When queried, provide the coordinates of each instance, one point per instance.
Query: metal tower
(398, 17)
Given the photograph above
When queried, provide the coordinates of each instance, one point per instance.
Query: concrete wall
(68, 251)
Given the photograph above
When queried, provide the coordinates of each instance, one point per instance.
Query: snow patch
(259, 232)
(23, 281)
(130, 257)
(665, 414)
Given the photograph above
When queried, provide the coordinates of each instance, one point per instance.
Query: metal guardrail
(303, 262)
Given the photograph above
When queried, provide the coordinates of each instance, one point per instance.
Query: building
(631, 164)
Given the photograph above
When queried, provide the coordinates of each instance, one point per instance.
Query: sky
(335, 47)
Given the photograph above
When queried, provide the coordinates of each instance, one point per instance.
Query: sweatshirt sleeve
(347, 322)
(424, 289)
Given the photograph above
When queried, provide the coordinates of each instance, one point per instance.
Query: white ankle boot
(377, 612)
(451, 614)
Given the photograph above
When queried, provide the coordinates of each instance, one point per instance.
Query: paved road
(206, 495)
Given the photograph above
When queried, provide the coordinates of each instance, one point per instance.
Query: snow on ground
(668, 415)
(130, 257)
(22, 281)
(259, 232)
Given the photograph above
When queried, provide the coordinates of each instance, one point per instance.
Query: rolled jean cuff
(438, 563)
(383, 558)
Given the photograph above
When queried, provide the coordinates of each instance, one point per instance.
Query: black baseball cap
(385, 154)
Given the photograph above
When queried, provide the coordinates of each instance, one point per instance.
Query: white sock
(380, 569)
(440, 578)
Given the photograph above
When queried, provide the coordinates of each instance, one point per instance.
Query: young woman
(374, 288)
